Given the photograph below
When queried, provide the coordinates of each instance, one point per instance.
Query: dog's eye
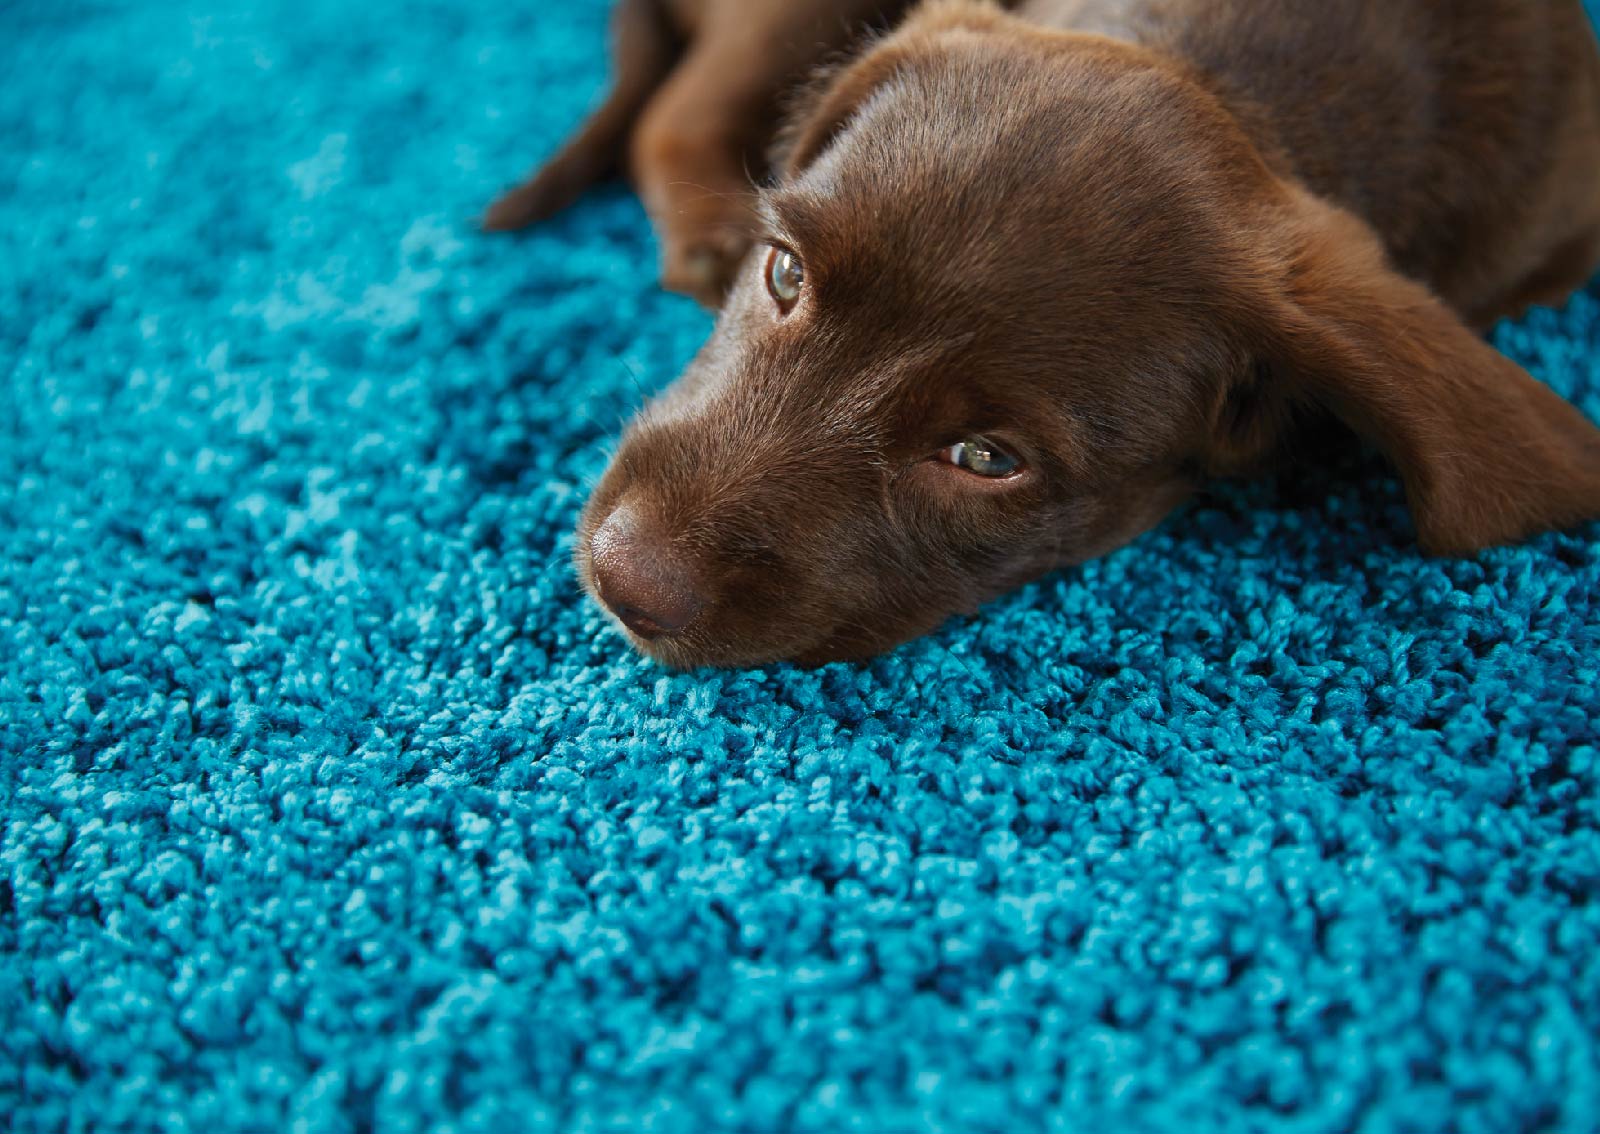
(784, 277)
(981, 456)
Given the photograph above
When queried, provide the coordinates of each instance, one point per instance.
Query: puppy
(1024, 280)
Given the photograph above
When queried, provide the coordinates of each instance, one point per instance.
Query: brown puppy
(1029, 278)
(695, 100)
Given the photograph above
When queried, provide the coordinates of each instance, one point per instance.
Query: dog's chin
(703, 651)
(843, 641)
(705, 647)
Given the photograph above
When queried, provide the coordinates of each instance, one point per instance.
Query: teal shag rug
(328, 803)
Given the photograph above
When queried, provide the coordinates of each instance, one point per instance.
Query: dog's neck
(1320, 97)
(1432, 122)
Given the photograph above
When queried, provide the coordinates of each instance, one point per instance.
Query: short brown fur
(1135, 243)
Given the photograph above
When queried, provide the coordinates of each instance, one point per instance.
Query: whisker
(742, 197)
(633, 376)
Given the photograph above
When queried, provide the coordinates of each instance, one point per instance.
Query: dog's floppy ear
(1487, 453)
(824, 107)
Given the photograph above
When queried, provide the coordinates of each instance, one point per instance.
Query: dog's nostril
(640, 579)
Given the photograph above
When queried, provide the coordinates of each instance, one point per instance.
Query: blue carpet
(327, 803)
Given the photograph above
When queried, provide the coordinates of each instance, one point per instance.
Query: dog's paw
(704, 266)
(537, 199)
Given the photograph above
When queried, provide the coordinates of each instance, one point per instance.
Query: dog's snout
(640, 578)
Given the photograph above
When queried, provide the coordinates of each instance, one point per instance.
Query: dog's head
(1020, 292)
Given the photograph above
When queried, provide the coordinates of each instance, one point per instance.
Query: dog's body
(1038, 273)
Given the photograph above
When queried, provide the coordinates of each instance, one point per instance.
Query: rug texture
(328, 803)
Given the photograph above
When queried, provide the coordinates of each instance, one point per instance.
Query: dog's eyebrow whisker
(749, 174)
(707, 193)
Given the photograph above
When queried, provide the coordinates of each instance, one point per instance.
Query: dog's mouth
(755, 632)
(701, 644)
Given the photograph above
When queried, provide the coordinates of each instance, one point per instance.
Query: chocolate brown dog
(1025, 279)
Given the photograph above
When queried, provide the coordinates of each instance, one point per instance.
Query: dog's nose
(640, 579)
